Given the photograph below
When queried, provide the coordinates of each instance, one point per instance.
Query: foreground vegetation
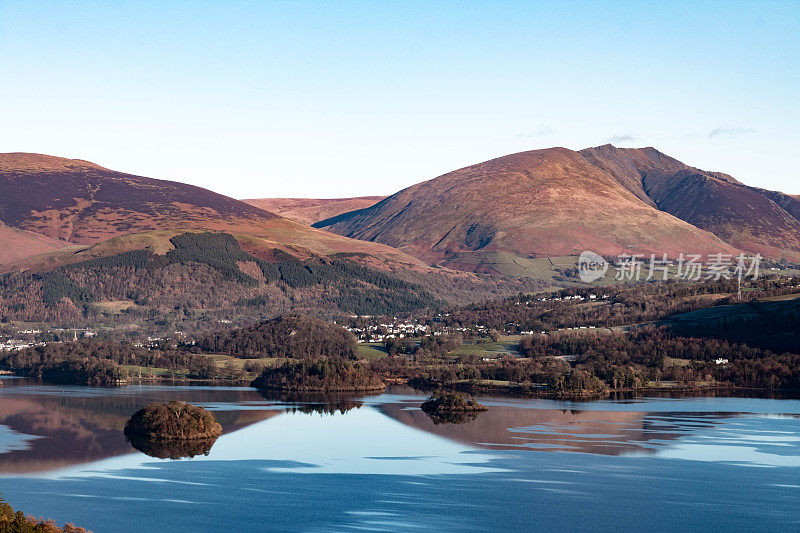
(17, 522)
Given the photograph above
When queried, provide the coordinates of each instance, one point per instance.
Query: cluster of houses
(17, 344)
(14, 344)
(576, 297)
(384, 331)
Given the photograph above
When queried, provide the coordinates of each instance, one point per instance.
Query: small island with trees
(319, 375)
(451, 402)
(173, 421)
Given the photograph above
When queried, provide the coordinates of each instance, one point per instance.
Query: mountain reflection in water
(45, 428)
(349, 462)
(511, 428)
(72, 425)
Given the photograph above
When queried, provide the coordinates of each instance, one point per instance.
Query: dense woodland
(613, 306)
(205, 276)
(285, 336)
(96, 362)
(757, 349)
(312, 375)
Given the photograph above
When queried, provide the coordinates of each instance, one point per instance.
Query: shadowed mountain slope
(311, 210)
(749, 218)
(80, 202)
(551, 202)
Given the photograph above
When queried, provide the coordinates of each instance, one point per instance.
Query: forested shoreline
(753, 350)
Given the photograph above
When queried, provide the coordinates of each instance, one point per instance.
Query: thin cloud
(624, 138)
(538, 132)
(729, 132)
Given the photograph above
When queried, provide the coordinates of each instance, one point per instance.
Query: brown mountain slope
(544, 202)
(16, 244)
(80, 202)
(84, 204)
(310, 210)
(752, 219)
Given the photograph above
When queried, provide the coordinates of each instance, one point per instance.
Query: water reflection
(455, 417)
(44, 428)
(320, 403)
(171, 449)
(379, 463)
(512, 428)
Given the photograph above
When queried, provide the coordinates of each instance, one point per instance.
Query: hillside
(311, 210)
(83, 203)
(192, 281)
(748, 218)
(49, 203)
(551, 202)
(17, 243)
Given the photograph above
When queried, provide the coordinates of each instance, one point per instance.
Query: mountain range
(81, 240)
(84, 245)
(50, 203)
(557, 202)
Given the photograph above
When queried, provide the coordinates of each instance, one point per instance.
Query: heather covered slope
(80, 202)
(749, 218)
(70, 201)
(550, 202)
(311, 210)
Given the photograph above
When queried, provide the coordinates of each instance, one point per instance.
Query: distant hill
(50, 202)
(748, 218)
(551, 202)
(311, 210)
(83, 244)
(83, 203)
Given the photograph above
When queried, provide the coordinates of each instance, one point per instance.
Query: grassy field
(506, 345)
(372, 350)
(114, 307)
(778, 304)
(226, 361)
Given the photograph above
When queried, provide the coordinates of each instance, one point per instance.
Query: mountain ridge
(550, 202)
(749, 218)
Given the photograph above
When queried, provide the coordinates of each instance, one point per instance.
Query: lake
(378, 463)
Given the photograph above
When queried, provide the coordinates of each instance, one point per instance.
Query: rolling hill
(86, 244)
(49, 203)
(551, 202)
(311, 210)
(748, 218)
(83, 203)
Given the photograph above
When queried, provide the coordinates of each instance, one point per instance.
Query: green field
(506, 345)
(372, 350)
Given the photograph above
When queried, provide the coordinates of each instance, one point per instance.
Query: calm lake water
(378, 463)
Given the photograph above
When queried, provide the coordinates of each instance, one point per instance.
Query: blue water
(380, 464)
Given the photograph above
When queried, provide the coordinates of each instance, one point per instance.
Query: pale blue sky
(328, 99)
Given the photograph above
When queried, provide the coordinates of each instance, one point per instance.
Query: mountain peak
(27, 162)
